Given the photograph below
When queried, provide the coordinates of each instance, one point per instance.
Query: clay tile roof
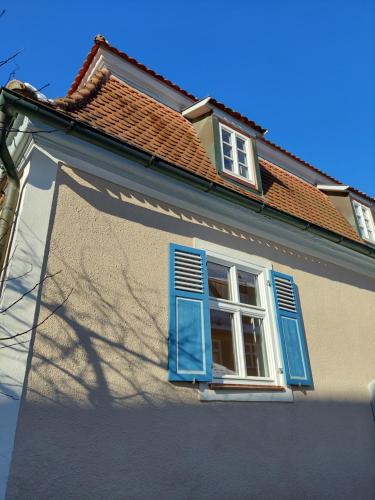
(291, 155)
(100, 41)
(115, 108)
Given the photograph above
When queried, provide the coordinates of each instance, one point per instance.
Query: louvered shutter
(189, 354)
(288, 311)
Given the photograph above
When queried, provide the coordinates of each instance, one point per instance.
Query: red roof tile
(100, 41)
(123, 112)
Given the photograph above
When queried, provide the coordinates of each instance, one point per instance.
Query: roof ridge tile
(80, 98)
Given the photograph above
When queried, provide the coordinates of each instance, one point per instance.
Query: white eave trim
(137, 78)
(198, 109)
(332, 187)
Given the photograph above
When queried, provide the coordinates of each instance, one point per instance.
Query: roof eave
(55, 117)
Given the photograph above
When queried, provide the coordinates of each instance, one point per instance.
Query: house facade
(188, 308)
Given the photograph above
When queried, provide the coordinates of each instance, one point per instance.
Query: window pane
(243, 171)
(240, 144)
(228, 164)
(248, 288)
(218, 281)
(255, 348)
(241, 157)
(223, 352)
(227, 150)
(225, 136)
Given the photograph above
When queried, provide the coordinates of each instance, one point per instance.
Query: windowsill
(242, 392)
(239, 180)
(247, 387)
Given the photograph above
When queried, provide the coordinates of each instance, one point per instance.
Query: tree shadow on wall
(100, 420)
(113, 199)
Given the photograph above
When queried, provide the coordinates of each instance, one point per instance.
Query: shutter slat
(188, 278)
(289, 320)
(285, 294)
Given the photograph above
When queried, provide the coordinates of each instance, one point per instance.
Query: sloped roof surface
(100, 41)
(113, 107)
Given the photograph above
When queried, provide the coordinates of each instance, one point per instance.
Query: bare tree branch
(10, 58)
(37, 131)
(29, 291)
(40, 323)
(15, 343)
(17, 277)
(10, 258)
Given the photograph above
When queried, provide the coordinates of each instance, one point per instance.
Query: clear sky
(304, 69)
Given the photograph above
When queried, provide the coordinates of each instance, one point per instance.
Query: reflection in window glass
(248, 288)
(228, 164)
(240, 144)
(226, 136)
(243, 170)
(218, 281)
(223, 353)
(255, 348)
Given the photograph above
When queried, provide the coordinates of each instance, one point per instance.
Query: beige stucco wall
(343, 203)
(99, 419)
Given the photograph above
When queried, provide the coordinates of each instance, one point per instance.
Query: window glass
(237, 331)
(227, 150)
(228, 164)
(241, 145)
(225, 135)
(248, 288)
(243, 171)
(255, 349)
(241, 157)
(218, 281)
(365, 221)
(235, 153)
(223, 352)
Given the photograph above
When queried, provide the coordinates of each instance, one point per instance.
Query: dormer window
(237, 155)
(365, 221)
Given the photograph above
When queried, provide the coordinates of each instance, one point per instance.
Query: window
(234, 325)
(240, 332)
(237, 154)
(365, 221)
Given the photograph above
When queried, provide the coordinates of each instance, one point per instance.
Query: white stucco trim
(207, 394)
(29, 244)
(137, 78)
(128, 173)
(240, 257)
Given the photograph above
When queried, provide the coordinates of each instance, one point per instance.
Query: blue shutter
(189, 356)
(288, 311)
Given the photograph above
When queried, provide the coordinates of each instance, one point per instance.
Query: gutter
(56, 118)
(13, 183)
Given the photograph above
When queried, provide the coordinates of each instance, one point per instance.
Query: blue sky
(304, 69)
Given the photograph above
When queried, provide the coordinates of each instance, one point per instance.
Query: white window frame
(238, 309)
(361, 220)
(262, 266)
(251, 172)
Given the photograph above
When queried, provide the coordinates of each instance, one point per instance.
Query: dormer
(230, 143)
(357, 209)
